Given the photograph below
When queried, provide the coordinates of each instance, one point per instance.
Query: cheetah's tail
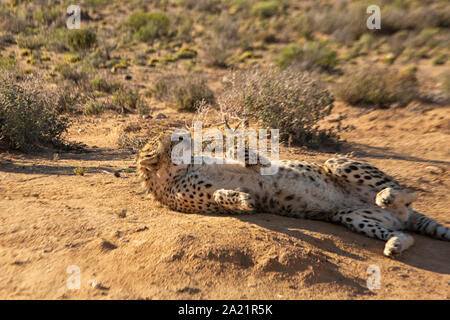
(422, 224)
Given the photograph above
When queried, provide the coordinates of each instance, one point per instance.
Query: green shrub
(186, 53)
(29, 42)
(266, 9)
(57, 40)
(190, 93)
(7, 63)
(446, 82)
(148, 26)
(71, 73)
(93, 108)
(81, 39)
(309, 55)
(439, 60)
(379, 87)
(210, 6)
(102, 85)
(224, 39)
(286, 100)
(127, 99)
(7, 39)
(185, 92)
(28, 117)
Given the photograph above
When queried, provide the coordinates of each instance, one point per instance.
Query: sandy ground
(132, 248)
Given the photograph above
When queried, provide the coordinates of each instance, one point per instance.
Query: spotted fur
(342, 190)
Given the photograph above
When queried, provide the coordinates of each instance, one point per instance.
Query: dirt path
(133, 248)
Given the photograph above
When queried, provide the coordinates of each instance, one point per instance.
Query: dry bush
(446, 82)
(309, 55)
(129, 100)
(82, 39)
(209, 6)
(345, 22)
(224, 39)
(7, 39)
(279, 99)
(185, 92)
(28, 117)
(378, 87)
(148, 26)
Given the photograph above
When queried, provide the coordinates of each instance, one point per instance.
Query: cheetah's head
(155, 152)
(396, 200)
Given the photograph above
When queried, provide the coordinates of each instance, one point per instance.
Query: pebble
(122, 214)
(434, 169)
(143, 228)
(161, 116)
(97, 285)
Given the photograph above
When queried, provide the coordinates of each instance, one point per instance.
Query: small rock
(122, 214)
(143, 228)
(161, 116)
(108, 245)
(188, 290)
(335, 118)
(434, 169)
(97, 285)
(117, 174)
(147, 116)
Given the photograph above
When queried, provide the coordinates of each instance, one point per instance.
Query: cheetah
(342, 190)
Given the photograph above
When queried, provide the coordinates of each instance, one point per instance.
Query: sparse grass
(30, 42)
(7, 63)
(309, 55)
(224, 39)
(439, 60)
(378, 87)
(7, 39)
(71, 73)
(93, 108)
(266, 9)
(446, 82)
(103, 85)
(209, 6)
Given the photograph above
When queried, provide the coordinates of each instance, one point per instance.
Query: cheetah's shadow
(426, 253)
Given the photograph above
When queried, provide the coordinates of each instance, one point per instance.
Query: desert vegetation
(183, 46)
(77, 105)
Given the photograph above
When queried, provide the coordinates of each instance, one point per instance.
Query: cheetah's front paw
(397, 244)
(235, 201)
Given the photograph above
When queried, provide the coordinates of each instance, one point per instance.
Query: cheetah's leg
(359, 173)
(420, 223)
(378, 224)
(234, 201)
